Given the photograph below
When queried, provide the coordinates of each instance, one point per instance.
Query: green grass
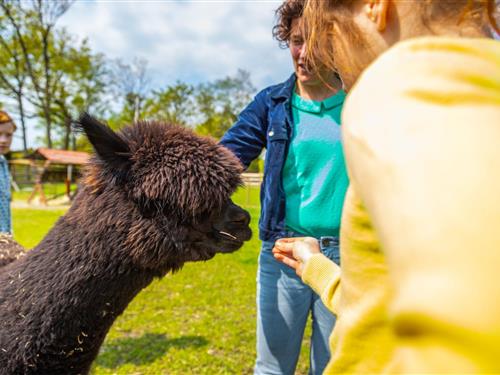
(31, 225)
(200, 320)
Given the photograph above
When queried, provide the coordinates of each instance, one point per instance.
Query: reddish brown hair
(285, 14)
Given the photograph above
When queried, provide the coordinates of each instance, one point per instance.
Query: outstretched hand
(295, 251)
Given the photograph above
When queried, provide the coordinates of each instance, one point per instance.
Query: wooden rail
(249, 180)
(252, 179)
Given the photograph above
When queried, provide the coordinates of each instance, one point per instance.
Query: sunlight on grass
(31, 225)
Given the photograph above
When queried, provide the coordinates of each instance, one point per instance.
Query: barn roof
(61, 156)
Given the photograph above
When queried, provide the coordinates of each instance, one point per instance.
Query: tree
(13, 74)
(84, 86)
(30, 25)
(48, 68)
(132, 84)
(174, 104)
(220, 102)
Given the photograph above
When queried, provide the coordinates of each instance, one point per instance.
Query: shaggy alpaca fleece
(10, 250)
(154, 197)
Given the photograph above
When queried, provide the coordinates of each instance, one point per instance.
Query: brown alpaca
(10, 250)
(153, 197)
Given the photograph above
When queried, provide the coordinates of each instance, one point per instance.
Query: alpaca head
(175, 189)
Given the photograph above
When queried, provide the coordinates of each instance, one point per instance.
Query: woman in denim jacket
(298, 123)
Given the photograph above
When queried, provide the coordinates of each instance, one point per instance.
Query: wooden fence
(250, 180)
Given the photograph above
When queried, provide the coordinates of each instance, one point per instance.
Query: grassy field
(200, 320)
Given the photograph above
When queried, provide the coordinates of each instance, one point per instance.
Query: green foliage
(13, 73)
(83, 86)
(200, 320)
(210, 108)
(48, 68)
(220, 102)
(130, 86)
(57, 76)
(173, 104)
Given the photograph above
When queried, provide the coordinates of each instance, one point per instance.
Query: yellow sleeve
(323, 276)
(422, 144)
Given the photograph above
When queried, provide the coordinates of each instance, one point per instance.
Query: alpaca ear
(108, 145)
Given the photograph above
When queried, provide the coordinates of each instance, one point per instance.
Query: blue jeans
(283, 305)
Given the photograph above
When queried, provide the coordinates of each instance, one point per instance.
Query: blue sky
(192, 41)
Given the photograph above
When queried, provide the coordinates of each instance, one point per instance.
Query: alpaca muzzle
(229, 235)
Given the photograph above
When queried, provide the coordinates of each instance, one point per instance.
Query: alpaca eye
(150, 208)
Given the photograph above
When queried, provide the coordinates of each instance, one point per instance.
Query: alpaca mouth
(229, 238)
(228, 235)
(229, 242)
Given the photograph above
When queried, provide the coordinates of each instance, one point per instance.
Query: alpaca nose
(241, 217)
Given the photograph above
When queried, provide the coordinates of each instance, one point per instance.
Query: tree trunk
(48, 126)
(23, 123)
(67, 132)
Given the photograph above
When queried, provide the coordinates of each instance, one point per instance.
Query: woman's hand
(295, 251)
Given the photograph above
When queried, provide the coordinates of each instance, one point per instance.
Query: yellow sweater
(422, 144)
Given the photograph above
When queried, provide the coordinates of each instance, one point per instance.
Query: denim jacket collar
(284, 92)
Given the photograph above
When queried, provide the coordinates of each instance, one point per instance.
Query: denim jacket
(266, 122)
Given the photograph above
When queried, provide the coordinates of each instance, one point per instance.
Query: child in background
(7, 129)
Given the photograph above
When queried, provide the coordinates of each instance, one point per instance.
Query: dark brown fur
(154, 197)
(10, 250)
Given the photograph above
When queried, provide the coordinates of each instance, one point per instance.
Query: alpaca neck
(68, 292)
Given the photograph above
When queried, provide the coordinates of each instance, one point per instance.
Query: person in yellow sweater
(417, 290)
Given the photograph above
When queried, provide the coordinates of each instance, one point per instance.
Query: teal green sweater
(314, 175)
